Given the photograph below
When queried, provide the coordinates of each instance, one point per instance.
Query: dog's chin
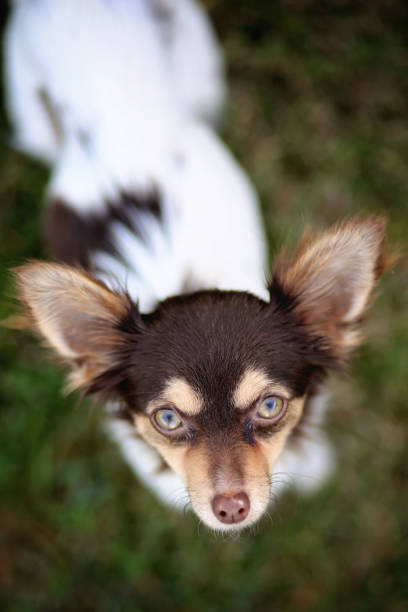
(205, 514)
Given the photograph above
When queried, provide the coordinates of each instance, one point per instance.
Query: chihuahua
(211, 376)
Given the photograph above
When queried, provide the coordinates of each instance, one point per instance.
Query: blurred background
(318, 117)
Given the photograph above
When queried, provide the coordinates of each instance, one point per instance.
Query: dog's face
(215, 381)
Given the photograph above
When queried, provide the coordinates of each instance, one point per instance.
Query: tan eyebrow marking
(252, 384)
(178, 392)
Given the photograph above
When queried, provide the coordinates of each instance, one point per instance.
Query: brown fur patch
(51, 110)
(73, 237)
(171, 453)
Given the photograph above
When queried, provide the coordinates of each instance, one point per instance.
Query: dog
(212, 377)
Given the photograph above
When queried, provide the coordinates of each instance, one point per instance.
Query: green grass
(318, 116)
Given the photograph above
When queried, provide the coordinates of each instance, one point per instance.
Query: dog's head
(215, 381)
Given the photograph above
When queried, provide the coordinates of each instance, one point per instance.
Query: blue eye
(167, 419)
(272, 407)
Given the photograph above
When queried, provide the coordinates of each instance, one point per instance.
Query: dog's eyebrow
(182, 395)
(253, 383)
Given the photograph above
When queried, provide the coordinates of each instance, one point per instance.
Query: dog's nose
(231, 509)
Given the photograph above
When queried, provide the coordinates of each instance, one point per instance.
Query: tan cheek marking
(197, 469)
(179, 393)
(259, 461)
(273, 446)
(253, 384)
(173, 455)
(256, 475)
(199, 484)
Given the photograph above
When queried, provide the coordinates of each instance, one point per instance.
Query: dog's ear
(79, 317)
(328, 281)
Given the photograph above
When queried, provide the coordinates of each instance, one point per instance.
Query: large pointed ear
(79, 317)
(328, 281)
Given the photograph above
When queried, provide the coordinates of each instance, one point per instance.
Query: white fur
(145, 461)
(106, 68)
(130, 90)
(310, 460)
(194, 57)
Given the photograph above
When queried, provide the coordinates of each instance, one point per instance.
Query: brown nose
(231, 509)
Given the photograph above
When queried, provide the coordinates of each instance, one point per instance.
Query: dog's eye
(272, 407)
(167, 419)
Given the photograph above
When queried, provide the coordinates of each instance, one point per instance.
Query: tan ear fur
(77, 315)
(330, 278)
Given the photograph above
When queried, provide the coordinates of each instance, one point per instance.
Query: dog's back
(142, 190)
